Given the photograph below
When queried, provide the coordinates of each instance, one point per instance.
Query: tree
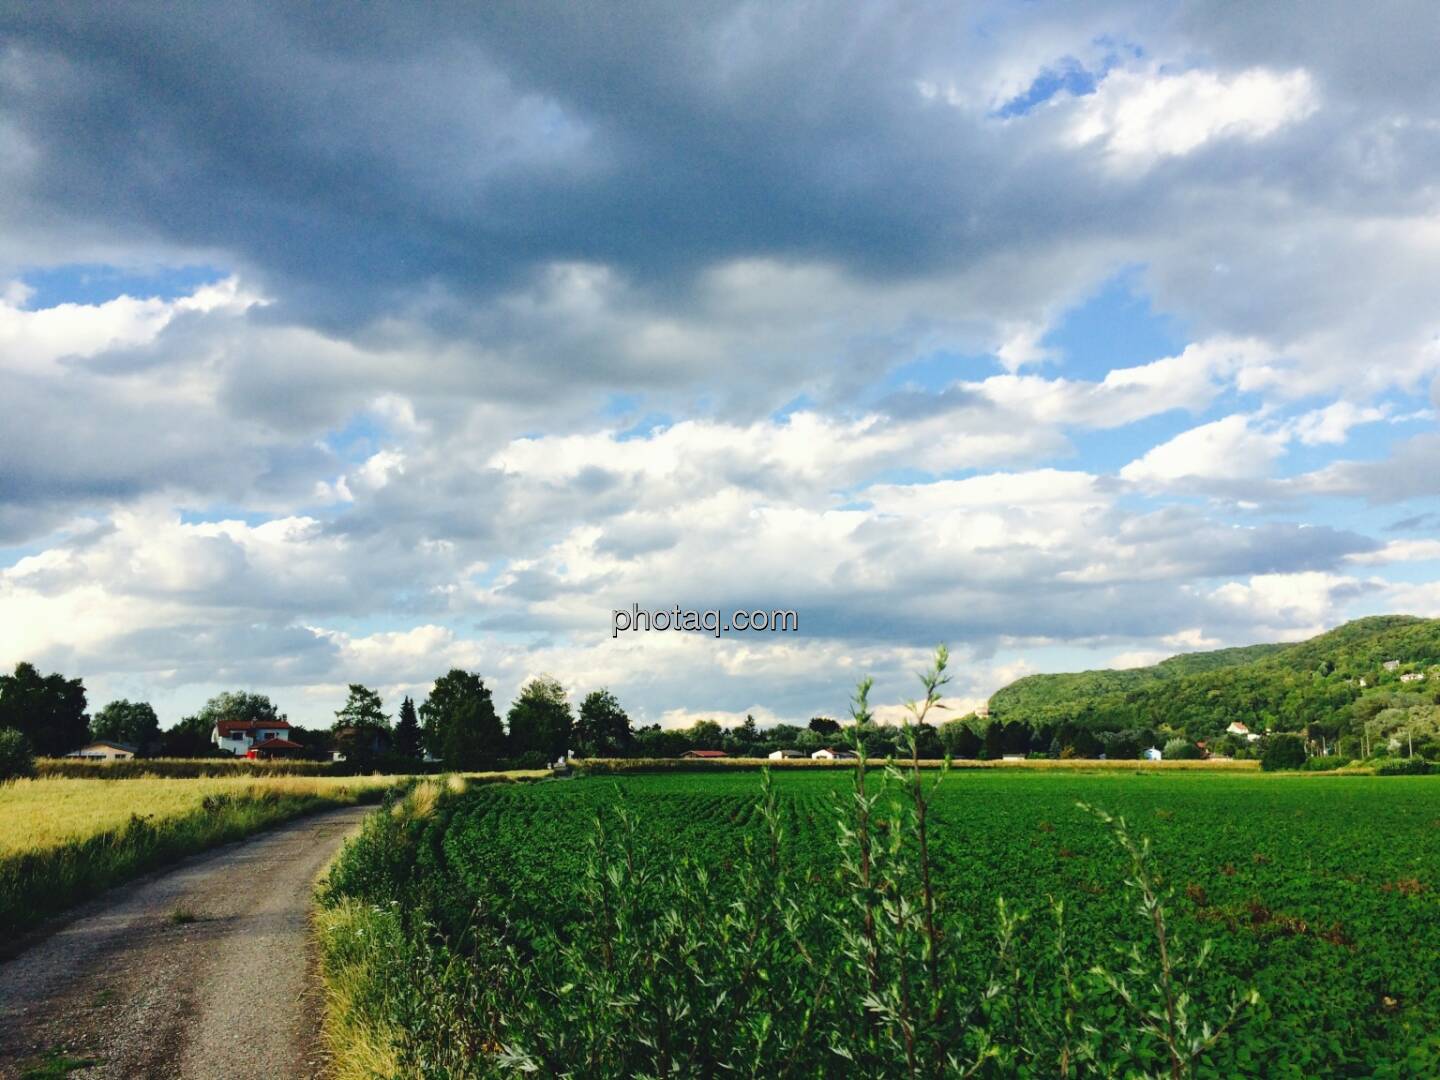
(455, 732)
(1283, 752)
(748, 732)
(471, 736)
(16, 760)
(823, 725)
(1181, 750)
(603, 728)
(704, 735)
(362, 709)
(407, 731)
(132, 722)
(959, 738)
(994, 741)
(189, 738)
(49, 711)
(1016, 737)
(540, 719)
(237, 705)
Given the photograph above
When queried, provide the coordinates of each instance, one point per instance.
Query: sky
(352, 349)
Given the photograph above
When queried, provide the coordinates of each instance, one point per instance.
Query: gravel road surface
(202, 971)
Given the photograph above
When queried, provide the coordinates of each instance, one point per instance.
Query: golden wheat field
(44, 813)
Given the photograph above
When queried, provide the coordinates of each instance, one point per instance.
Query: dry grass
(36, 815)
(361, 1042)
(46, 813)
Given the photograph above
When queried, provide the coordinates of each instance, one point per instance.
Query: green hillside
(1286, 687)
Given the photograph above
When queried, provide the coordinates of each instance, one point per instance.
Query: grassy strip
(358, 945)
(377, 982)
(177, 768)
(36, 884)
(625, 765)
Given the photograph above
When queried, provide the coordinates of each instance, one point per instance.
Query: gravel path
(204, 970)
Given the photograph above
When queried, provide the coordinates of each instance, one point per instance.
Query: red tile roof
(704, 753)
(277, 744)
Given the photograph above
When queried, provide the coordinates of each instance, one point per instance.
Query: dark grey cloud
(357, 160)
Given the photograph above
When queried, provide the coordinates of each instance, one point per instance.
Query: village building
(104, 750)
(704, 754)
(239, 736)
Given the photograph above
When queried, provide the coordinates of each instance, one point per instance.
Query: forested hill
(1269, 687)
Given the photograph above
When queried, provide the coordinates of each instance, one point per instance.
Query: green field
(518, 938)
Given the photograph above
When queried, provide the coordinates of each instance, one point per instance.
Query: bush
(1181, 750)
(1283, 752)
(1325, 764)
(16, 760)
(1406, 767)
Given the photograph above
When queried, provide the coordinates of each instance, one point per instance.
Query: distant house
(1412, 676)
(829, 754)
(1390, 665)
(1237, 728)
(104, 750)
(1152, 754)
(704, 754)
(784, 755)
(238, 736)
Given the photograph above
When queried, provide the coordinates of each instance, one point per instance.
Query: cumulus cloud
(520, 317)
(1142, 117)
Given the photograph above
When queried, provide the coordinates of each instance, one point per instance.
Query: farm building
(104, 750)
(1152, 754)
(1390, 665)
(238, 736)
(828, 754)
(1242, 730)
(274, 748)
(1412, 676)
(704, 754)
(784, 755)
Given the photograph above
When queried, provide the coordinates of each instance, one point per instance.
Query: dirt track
(201, 971)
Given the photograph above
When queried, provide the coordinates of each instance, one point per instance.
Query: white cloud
(1140, 117)
(1398, 551)
(1225, 449)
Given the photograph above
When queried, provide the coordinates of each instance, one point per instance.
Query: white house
(1151, 754)
(104, 750)
(826, 754)
(782, 755)
(238, 736)
(1391, 665)
(1237, 728)
(1412, 676)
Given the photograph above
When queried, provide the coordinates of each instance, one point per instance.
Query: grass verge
(59, 868)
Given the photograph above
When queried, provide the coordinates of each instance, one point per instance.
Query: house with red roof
(704, 754)
(238, 737)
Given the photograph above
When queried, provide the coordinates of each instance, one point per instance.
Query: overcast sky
(350, 348)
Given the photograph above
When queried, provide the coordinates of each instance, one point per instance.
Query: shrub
(1325, 764)
(16, 760)
(1406, 767)
(1181, 750)
(1283, 752)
